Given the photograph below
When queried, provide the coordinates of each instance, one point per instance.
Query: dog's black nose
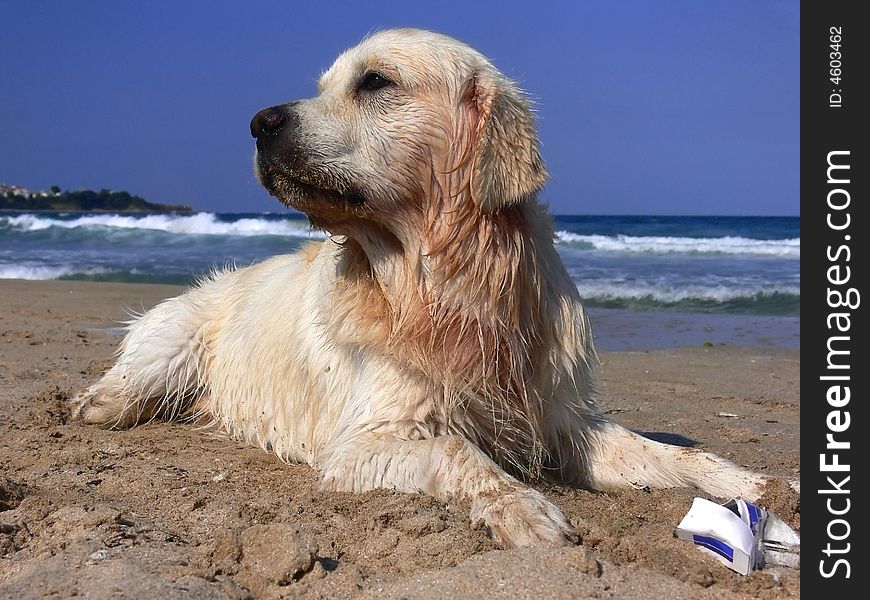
(267, 122)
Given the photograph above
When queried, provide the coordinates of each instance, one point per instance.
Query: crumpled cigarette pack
(741, 535)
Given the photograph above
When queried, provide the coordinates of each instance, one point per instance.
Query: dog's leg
(618, 458)
(157, 371)
(450, 467)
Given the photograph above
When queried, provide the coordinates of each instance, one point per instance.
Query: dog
(434, 342)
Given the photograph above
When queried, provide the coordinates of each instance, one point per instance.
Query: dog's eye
(374, 81)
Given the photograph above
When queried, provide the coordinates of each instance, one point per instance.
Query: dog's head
(408, 123)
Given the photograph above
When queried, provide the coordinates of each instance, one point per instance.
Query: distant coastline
(19, 199)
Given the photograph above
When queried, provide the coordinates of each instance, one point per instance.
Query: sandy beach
(166, 511)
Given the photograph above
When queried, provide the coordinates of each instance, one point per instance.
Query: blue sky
(677, 107)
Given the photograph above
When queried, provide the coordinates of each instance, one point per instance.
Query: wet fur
(435, 342)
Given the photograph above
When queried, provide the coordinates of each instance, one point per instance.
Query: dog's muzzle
(284, 166)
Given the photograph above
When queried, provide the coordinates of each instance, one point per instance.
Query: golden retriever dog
(434, 343)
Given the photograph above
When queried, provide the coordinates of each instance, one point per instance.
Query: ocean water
(730, 265)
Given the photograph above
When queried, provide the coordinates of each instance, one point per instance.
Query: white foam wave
(606, 290)
(788, 248)
(195, 224)
(41, 272)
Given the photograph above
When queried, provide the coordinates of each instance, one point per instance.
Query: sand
(165, 511)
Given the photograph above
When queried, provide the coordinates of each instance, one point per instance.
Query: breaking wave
(195, 224)
(787, 248)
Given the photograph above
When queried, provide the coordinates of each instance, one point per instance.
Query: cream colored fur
(435, 343)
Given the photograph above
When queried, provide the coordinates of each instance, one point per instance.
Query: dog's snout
(267, 122)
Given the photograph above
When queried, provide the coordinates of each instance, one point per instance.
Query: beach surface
(166, 511)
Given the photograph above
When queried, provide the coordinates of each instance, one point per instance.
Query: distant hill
(18, 198)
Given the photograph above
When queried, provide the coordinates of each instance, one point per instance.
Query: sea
(648, 268)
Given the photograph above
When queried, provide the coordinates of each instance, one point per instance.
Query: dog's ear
(506, 163)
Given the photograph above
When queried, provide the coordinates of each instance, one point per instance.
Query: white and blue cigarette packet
(740, 535)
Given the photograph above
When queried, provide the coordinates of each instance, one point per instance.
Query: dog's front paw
(524, 517)
(103, 410)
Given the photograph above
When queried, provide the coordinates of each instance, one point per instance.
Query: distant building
(17, 190)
